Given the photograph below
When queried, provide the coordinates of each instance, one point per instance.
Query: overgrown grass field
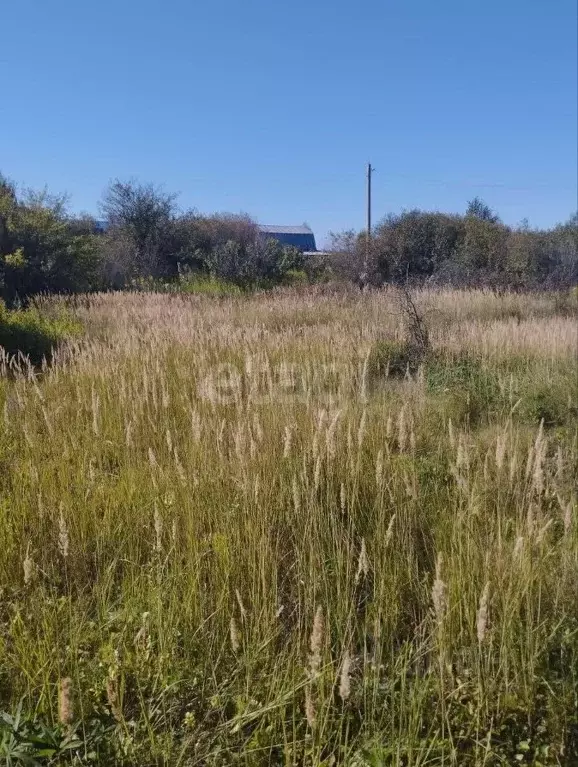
(247, 530)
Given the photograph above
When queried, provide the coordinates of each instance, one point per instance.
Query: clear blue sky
(274, 108)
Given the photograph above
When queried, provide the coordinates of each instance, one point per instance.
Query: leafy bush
(393, 358)
(33, 334)
(195, 284)
(295, 277)
(473, 389)
(200, 285)
(547, 402)
(26, 740)
(259, 264)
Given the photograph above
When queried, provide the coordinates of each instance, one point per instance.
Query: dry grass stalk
(63, 537)
(482, 619)
(242, 609)
(389, 531)
(518, 547)
(65, 709)
(287, 442)
(439, 592)
(296, 495)
(361, 429)
(500, 450)
(451, 434)
(345, 677)
(316, 643)
(568, 517)
(28, 567)
(234, 635)
(158, 525)
(401, 430)
(379, 468)
(389, 428)
(310, 713)
(362, 563)
(112, 698)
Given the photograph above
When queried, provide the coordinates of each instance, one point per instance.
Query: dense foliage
(473, 249)
(145, 239)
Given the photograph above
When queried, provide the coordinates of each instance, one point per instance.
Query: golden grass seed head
(568, 514)
(287, 442)
(379, 468)
(439, 592)
(65, 709)
(112, 698)
(234, 635)
(518, 547)
(63, 537)
(451, 434)
(345, 677)
(242, 609)
(296, 494)
(389, 531)
(317, 473)
(28, 567)
(482, 617)
(500, 451)
(310, 713)
(401, 430)
(330, 441)
(361, 429)
(513, 467)
(389, 427)
(158, 526)
(316, 642)
(362, 563)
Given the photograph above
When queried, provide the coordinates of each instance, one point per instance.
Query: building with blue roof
(300, 237)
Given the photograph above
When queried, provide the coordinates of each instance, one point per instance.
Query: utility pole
(368, 234)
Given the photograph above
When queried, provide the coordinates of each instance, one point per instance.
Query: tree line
(474, 249)
(144, 238)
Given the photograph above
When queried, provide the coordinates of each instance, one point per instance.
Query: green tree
(258, 263)
(416, 243)
(38, 251)
(477, 208)
(139, 218)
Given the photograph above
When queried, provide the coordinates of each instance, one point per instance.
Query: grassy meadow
(255, 530)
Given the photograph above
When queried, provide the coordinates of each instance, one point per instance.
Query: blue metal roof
(300, 237)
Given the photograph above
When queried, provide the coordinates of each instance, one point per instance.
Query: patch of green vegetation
(393, 358)
(33, 334)
(566, 303)
(190, 284)
(208, 286)
(295, 277)
(26, 740)
(471, 389)
(552, 401)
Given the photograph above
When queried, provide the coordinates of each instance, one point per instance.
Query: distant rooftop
(266, 229)
(300, 237)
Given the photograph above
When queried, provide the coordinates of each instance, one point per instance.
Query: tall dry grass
(238, 541)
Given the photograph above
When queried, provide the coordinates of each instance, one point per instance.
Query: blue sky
(275, 108)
